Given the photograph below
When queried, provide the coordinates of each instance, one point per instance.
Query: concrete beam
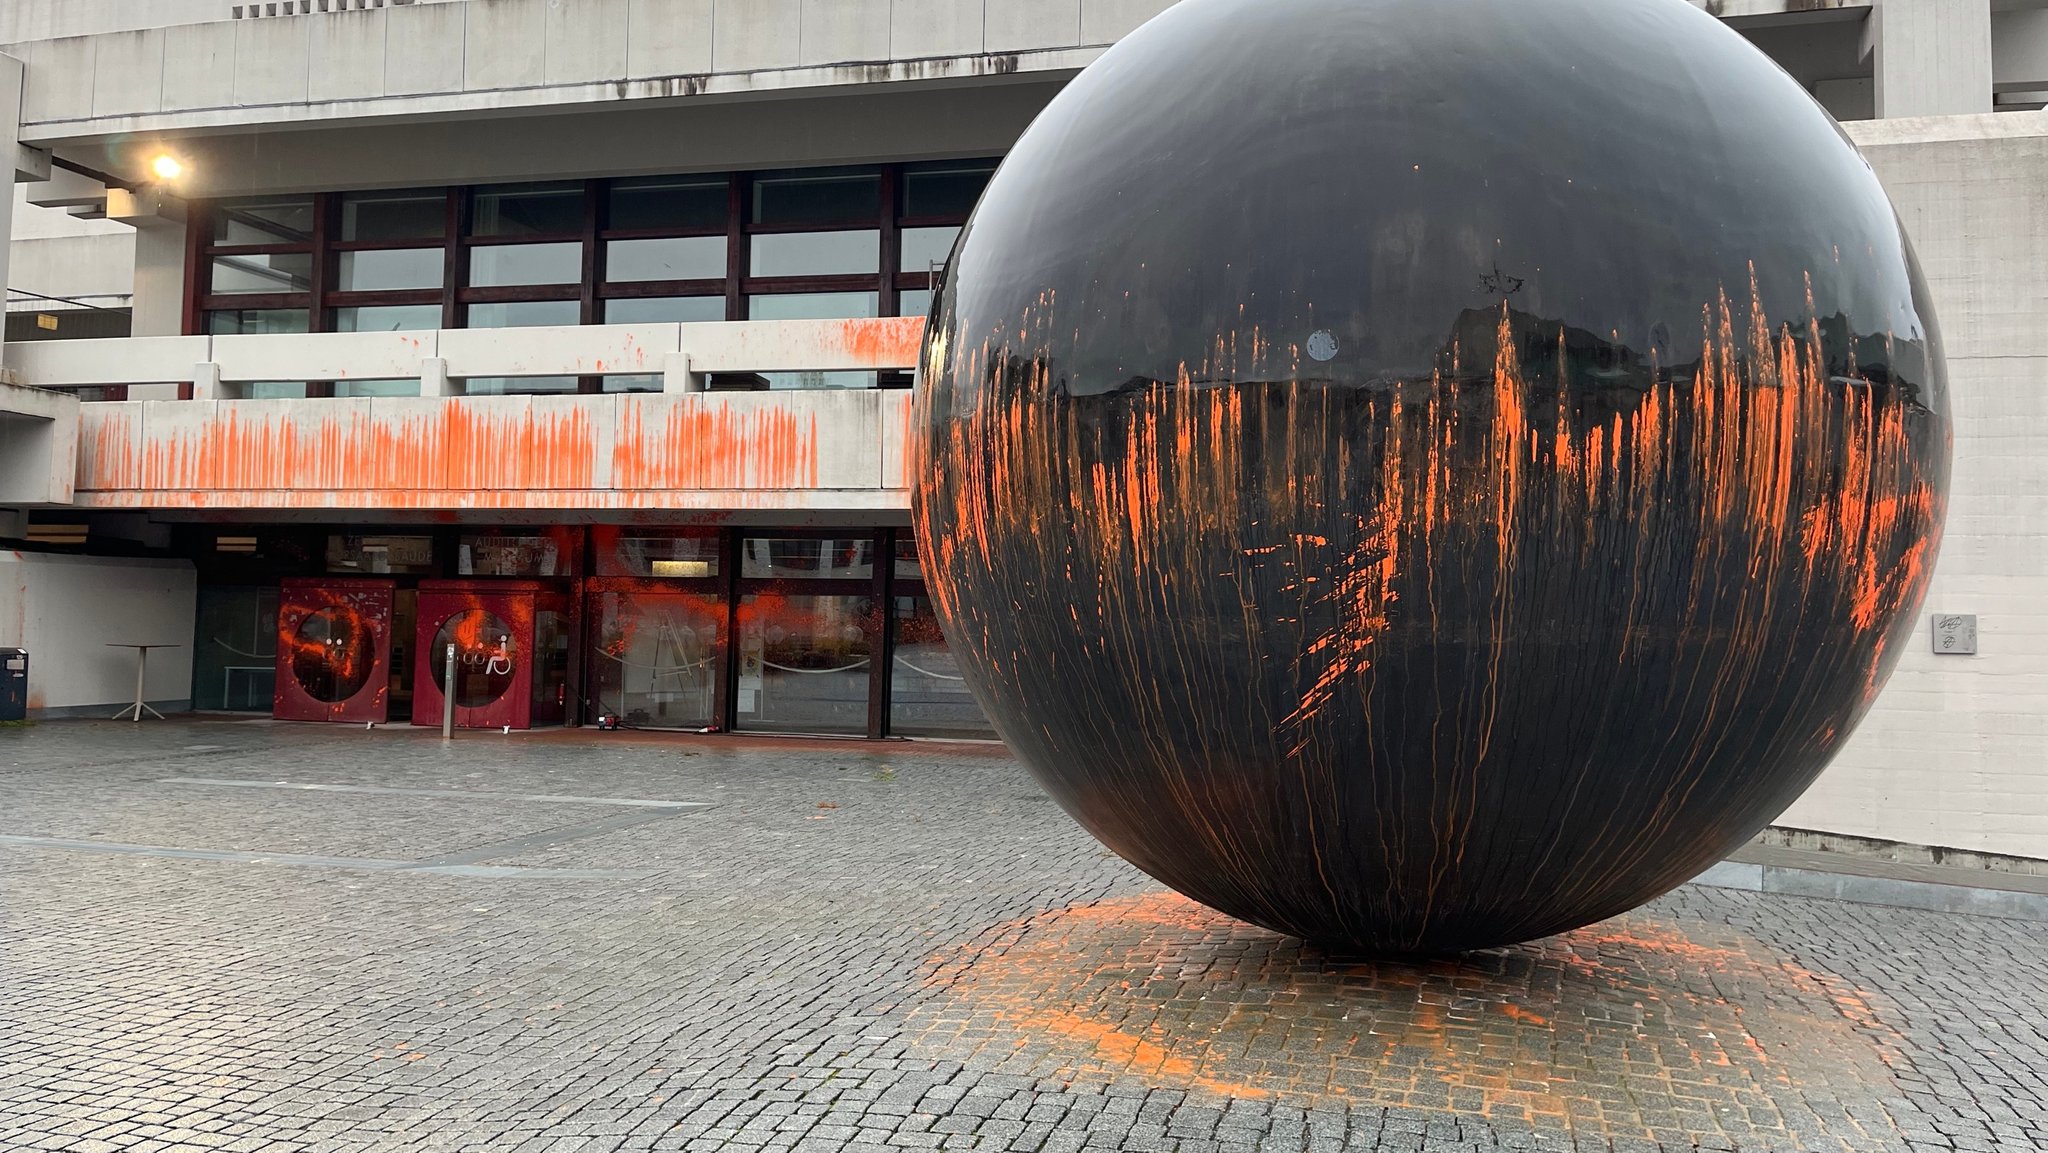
(38, 446)
(64, 188)
(30, 163)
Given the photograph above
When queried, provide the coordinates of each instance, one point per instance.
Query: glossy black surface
(1422, 474)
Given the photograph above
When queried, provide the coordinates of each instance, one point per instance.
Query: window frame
(593, 289)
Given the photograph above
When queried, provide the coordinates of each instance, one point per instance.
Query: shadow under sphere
(1424, 474)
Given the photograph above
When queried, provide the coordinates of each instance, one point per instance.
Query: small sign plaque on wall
(1955, 634)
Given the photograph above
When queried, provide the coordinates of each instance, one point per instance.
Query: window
(811, 306)
(668, 204)
(380, 270)
(663, 309)
(812, 198)
(411, 214)
(263, 273)
(387, 318)
(527, 210)
(914, 302)
(523, 314)
(945, 190)
(255, 320)
(264, 220)
(825, 243)
(501, 264)
(845, 253)
(929, 247)
(666, 258)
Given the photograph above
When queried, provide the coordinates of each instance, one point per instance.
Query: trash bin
(13, 684)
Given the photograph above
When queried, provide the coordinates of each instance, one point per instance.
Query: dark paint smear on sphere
(1426, 474)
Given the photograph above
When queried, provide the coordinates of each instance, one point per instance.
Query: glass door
(807, 628)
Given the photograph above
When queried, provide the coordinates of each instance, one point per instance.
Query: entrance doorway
(808, 627)
(333, 650)
(511, 653)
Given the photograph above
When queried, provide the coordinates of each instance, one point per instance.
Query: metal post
(141, 665)
(448, 697)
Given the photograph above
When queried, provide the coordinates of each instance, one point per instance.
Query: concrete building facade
(615, 303)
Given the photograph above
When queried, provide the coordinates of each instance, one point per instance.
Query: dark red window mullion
(326, 209)
(256, 249)
(735, 246)
(198, 269)
(656, 233)
(254, 300)
(885, 304)
(454, 261)
(591, 307)
(518, 293)
(855, 283)
(383, 297)
(661, 288)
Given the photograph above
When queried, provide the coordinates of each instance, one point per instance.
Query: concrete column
(206, 385)
(434, 376)
(11, 72)
(676, 375)
(159, 279)
(1931, 57)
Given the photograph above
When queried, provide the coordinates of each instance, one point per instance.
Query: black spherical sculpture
(1427, 474)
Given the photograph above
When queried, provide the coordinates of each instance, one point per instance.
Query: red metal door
(490, 623)
(333, 650)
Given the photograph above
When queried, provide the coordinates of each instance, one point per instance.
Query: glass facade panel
(516, 554)
(663, 309)
(669, 258)
(387, 318)
(914, 302)
(851, 253)
(927, 248)
(638, 382)
(356, 554)
(811, 305)
(264, 220)
(517, 385)
(397, 214)
(927, 695)
(234, 660)
(527, 210)
(655, 656)
(816, 197)
(524, 314)
(377, 387)
(667, 553)
(803, 663)
(807, 558)
(944, 189)
(236, 321)
(388, 269)
(502, 264)
(677, 203)
(263, 273)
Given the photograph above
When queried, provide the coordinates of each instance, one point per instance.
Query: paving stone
(880, 946)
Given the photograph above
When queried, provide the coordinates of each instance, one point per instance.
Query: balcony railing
(683, 449)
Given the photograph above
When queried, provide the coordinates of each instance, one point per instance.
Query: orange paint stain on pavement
(1608, 1030)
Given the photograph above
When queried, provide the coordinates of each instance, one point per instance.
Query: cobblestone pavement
(485, 946)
